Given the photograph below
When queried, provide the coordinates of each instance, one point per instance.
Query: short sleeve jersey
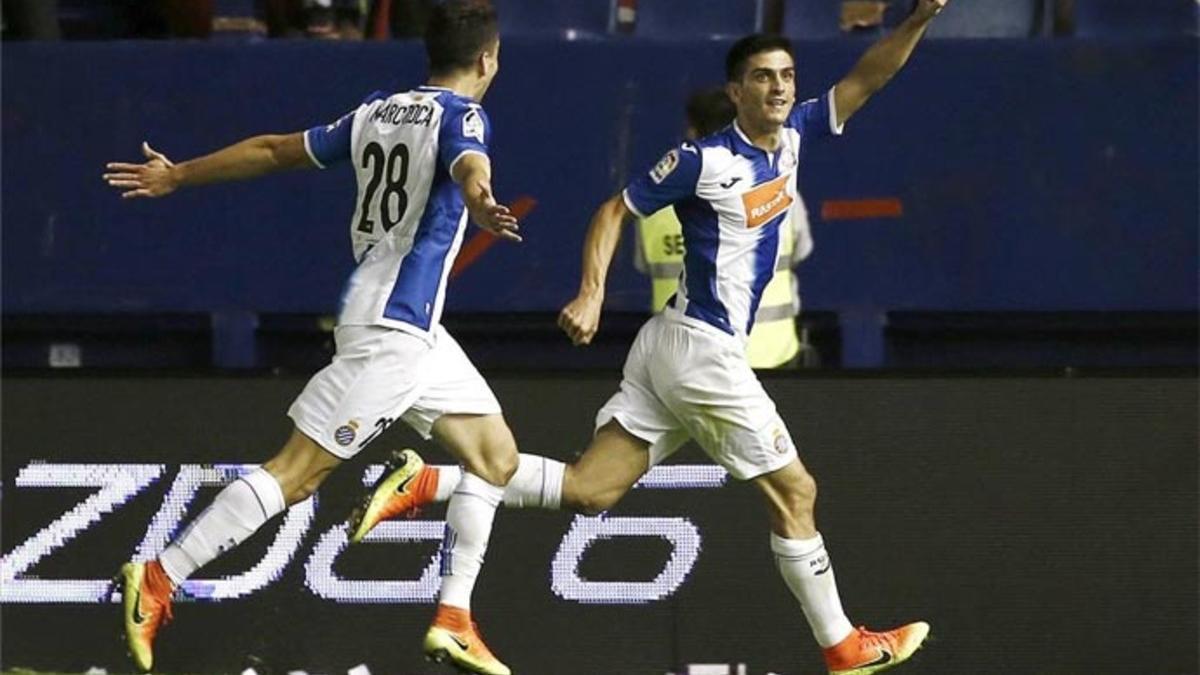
(409, 215)
(731, 197)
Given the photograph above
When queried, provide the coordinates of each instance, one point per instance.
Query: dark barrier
(1041, 525)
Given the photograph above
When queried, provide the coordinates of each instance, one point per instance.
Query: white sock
(448, 478)
(239, 509)
(808, 572)
(468, 528)
(537, 483)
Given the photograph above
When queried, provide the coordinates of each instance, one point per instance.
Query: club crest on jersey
(665, 166)
(766, 201)
(787, 161)
(472, 125)
(782, 443)
(344, 435)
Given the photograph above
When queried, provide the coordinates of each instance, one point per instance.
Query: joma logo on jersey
(766, 201)
(394, 113)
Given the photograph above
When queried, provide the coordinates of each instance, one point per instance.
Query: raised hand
(929, 8)
(153, 178)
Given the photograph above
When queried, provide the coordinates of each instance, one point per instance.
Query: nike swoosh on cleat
(138, 617)
(403, 486)
(462, 644)
(884, 657)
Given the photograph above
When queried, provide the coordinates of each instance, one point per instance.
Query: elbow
(617, 209)
(285, 152)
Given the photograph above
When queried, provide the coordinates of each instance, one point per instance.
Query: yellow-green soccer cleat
(406, 484)
(146, 603)
(454, 639)
(865, 653)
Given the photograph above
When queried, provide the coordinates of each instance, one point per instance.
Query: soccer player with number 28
(422, 166)
(687, 375)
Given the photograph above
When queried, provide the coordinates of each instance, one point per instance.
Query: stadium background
(1004, 424)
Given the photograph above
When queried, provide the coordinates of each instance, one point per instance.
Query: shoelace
(877, 640)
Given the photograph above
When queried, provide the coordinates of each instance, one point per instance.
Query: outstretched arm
(581, 317)
(883, 60)
(473, 173)
(250, 158)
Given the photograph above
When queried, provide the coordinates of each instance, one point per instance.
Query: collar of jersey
(745, 146)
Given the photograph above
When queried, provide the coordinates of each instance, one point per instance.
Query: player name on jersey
(396, 113)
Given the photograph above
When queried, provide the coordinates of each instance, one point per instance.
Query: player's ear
(734, 91)
(488, 61)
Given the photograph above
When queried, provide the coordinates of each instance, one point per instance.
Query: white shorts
(683, 381)
(380, 375)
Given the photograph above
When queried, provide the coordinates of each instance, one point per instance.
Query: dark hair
(743, 49)
(709, 111)
(458, 30)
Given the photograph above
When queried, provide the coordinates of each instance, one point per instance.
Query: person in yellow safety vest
(774, 341)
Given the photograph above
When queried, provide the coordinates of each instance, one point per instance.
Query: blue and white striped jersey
(409, 217)
(731, 198)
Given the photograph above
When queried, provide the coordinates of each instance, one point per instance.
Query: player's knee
(805, 494)
(806, 489)
(505, 466)
(798, 498)
(498, 464)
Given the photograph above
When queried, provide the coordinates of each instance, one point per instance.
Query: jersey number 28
(381, 168)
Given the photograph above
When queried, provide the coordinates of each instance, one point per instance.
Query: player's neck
(763, 137)
(470, 87)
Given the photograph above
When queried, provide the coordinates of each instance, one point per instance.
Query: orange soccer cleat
(146, 600)
(454, 637)
(406, 484)
(864, 652)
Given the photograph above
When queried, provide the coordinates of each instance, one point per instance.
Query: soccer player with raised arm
(421, 159)
(686, 375)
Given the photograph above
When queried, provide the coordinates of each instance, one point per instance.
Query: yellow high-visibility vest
(773, 340)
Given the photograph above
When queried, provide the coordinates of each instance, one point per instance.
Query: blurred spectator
(402, 19)
(30, 19)
(327, 19)
(166, 18)
(334, 19)
(862, 14)
(284, 18)
(1062, 16)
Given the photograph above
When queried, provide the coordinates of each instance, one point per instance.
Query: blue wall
(1035, 175)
